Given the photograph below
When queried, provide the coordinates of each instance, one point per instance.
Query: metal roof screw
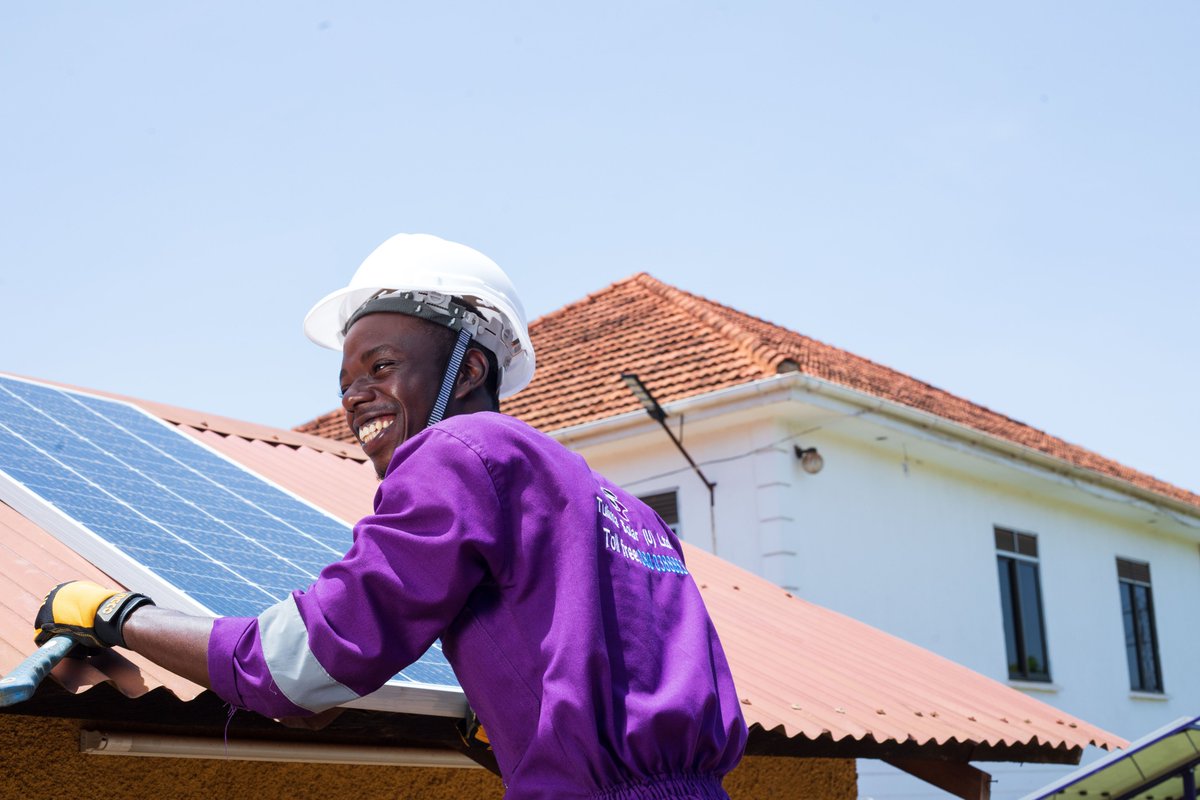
(933, 713)
(745, 701)
(918, 713)
(840, 710)
(737, 588)
(972, 719)
(796, 706)
(1004, 719)
(1072, 725)
(881, 712)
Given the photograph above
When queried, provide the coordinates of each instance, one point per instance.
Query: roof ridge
(703, 306)
(747, 348)
(1083, 456)
(759, 351)
(587, 299)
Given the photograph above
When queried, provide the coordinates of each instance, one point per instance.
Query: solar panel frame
(403, 694)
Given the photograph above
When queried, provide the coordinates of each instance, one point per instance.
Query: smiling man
(563, 603)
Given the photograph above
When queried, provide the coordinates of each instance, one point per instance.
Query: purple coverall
(563, 604)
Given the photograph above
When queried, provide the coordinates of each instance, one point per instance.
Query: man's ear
(472, 375)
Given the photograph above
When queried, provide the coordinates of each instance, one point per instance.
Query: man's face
(391, 370)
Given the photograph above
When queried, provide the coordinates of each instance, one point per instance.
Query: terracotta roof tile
(684, 345)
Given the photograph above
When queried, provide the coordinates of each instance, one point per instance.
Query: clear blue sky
(1002, 201)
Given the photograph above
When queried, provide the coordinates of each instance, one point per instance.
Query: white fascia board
(123, 743)
(795, 386)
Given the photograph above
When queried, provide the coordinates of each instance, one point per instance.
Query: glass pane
(666, 505)
(1005, 541)
(1029, 595)
(1133, 570)
(1147, 656)
(1008, 610)
(1131, 654)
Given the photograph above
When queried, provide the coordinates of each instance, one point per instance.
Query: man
(562, 602)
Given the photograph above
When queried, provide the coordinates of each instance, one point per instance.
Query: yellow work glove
(86, 612)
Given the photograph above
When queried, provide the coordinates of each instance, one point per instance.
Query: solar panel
(164, 513)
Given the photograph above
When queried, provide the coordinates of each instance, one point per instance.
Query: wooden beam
(956, 777)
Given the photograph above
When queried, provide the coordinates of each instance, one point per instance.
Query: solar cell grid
(223, 536)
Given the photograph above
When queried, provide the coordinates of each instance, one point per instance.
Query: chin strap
(456, 357)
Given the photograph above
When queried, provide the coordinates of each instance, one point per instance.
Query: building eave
(797, 387)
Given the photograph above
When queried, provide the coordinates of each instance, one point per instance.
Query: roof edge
(767, 389)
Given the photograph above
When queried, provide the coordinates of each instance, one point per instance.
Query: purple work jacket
(563, 604)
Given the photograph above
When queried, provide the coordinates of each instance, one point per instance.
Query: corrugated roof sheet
(805, 673)
(809, 672)
(684, 345)
(34, 562)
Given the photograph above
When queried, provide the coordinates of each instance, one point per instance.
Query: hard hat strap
(451, 375)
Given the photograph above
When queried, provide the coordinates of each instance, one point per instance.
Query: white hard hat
(419, 262)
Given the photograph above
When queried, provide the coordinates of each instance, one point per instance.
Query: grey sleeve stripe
(295, 669)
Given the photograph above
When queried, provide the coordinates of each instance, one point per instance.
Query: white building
(1016, 554)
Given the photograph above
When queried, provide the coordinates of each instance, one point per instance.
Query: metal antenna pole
(657, 413)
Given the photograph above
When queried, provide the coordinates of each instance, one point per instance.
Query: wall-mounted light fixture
(644, 397)
(810, 460)
(657, 413)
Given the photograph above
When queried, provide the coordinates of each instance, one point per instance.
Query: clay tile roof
(684, 345)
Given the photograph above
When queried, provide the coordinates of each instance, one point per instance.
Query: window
(1141, 639)
(666, 505)
(1021, 604)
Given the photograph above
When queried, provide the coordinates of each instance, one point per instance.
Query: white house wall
(897, 531)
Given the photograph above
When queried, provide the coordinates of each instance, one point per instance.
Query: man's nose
(358, 392)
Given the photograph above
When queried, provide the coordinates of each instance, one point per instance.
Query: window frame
(1128, 582)
(1013, 550)
(676, 526)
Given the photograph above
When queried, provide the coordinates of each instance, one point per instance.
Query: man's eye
(380, 365)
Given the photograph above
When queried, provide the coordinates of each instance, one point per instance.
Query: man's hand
(86, 612)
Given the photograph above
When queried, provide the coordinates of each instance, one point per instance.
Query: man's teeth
(372, 429)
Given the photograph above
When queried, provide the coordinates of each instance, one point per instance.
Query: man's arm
(173, 640)
(96, 616)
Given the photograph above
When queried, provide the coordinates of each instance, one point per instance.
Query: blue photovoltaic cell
(211, 528)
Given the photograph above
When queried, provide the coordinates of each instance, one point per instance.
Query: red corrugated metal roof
(34, 563)
(808, 673)
(683, 345)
